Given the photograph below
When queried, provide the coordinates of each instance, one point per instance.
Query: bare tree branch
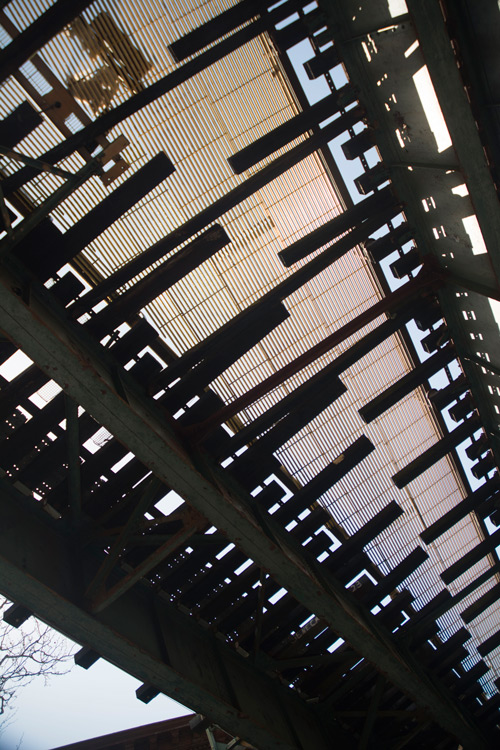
(30, 651)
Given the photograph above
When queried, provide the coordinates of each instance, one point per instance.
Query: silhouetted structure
(252, 459)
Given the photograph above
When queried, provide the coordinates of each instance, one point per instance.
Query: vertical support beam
(224, 353)
(74, 479)
(141, 506)
(372, 713)
(473, 675)
(86, 657)
(383, 246)
(322, 63)
(440, 399)
(284, 407)
(105, 598)
(5, 215)
(317, 396)
(16, 615)
(232, 333)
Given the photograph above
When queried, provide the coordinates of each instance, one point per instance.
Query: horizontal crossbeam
(66, 353)
(147, 636)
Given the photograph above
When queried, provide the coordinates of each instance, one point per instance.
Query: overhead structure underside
(250, 373)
